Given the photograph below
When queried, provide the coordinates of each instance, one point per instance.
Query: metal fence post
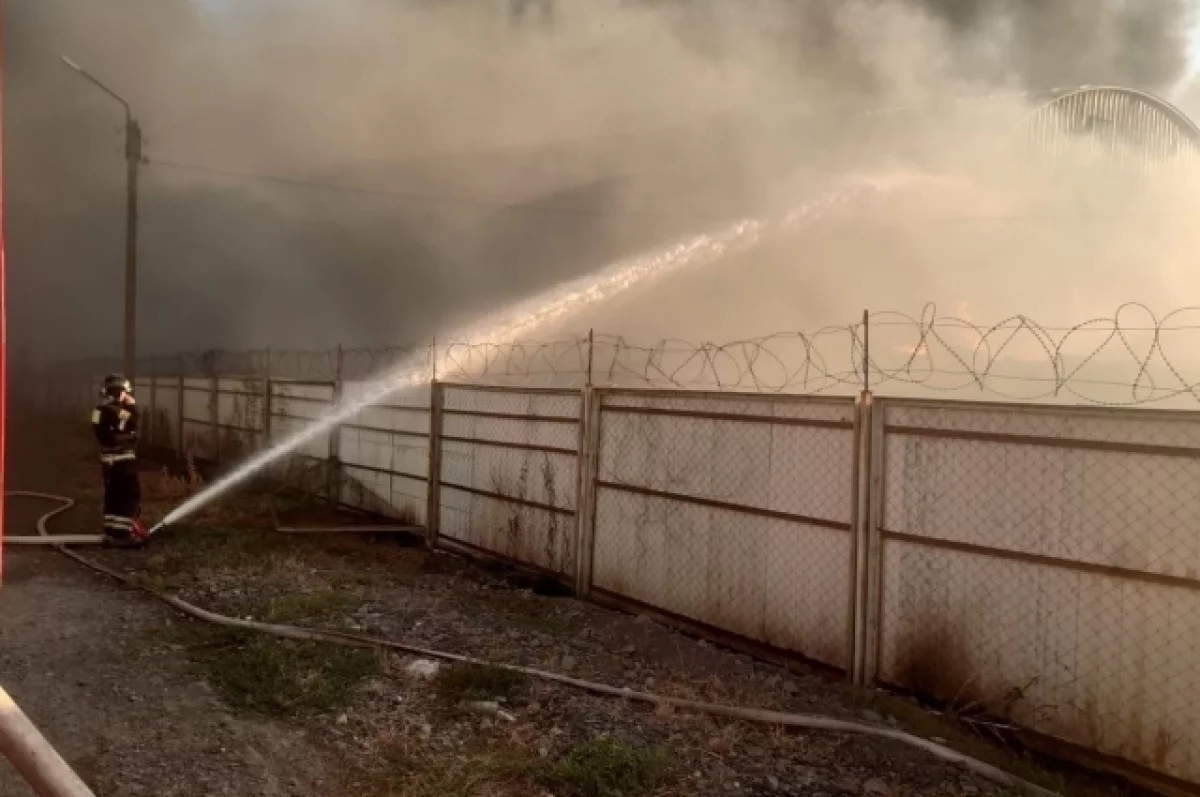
(433, 506)
(860, 523)
(333, 486)
(873, 577)
(585, 494)
(182, 406)
(153, 415)
(214, 406)
(269, 389)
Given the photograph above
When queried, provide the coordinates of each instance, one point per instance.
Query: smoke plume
(368, 172)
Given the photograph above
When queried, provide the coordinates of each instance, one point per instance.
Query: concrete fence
(1040, 562)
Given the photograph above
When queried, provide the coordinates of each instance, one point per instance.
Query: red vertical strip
(3, 306)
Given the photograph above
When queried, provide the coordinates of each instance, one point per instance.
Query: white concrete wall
(490, 514)
(1095, 658)
(778, 581)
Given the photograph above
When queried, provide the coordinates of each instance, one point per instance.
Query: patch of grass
(157, 581)
(280, 677)
(521, 611)
(466, 682)
(605, 768)
(187, 548)
(310, 606)
(400, 772)
(173, 486)
(354, 578)
(602, 768)
(914, 718)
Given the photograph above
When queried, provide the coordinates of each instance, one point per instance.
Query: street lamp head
(92, 79)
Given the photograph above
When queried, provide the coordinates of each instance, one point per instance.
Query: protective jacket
(116, 429)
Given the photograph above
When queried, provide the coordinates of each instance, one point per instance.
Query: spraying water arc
(553, 305)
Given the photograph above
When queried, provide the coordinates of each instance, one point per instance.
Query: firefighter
(115, 423)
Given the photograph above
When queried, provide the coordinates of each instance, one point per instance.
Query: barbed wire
(1131, 358)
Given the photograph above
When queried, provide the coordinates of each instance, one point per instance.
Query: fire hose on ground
(36, 759)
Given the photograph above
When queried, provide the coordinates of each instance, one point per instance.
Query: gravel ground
(282, 718)
(90, 666)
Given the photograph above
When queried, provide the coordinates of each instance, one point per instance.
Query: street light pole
(133, 157)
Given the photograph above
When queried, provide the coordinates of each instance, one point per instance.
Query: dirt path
(92, 667)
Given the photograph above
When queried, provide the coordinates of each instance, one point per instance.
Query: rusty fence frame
(437, 481)
(870, 538)
(878, 535)
(598, 408)
(276, 408)
(346, 468)
(880, 540)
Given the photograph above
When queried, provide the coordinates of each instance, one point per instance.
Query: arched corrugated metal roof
(1131, 124)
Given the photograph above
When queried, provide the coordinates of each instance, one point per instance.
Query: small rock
(772, 783)
(791, 688)
(423, 669)
(568, 662)
(872, 716)
(876, 787)
(719, 745)
(342, 719)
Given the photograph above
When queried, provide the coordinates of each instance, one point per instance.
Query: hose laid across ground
(808, 721)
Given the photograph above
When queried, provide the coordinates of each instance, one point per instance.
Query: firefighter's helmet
(115, 385)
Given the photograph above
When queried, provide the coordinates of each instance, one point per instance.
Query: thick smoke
(1137, 43)
(485, 149)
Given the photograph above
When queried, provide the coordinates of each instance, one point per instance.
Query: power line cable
(482, 202)
(890, 220)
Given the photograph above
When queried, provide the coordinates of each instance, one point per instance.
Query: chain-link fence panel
(509, 472)
(163, 406)
(294, 407)
(383, 453)
(732, 512)
(199, 433)
(1042, 565)
(240, 417)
